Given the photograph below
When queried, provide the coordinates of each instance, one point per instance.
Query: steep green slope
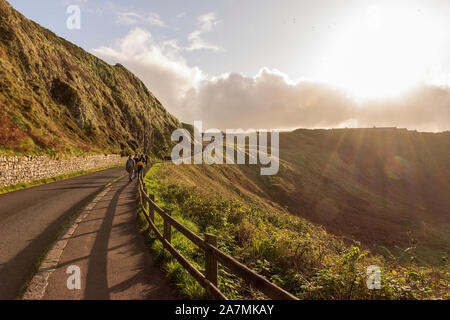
(388, 189)
(296, 254)
(385, 188)
(55, 97)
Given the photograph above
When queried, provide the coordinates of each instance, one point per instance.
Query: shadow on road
(31, 218)
(96, 281)
(15, 272)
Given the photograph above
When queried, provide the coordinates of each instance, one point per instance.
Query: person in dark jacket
(130, 167)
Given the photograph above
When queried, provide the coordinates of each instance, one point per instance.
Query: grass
(112, 117)
(295, 254)
(26, 185)
(43, 254)
(186, 285)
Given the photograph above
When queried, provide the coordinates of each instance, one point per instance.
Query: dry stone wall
(15, 169)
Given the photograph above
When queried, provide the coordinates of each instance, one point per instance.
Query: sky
(274, 64)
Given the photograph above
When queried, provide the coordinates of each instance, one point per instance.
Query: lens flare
(396, 167)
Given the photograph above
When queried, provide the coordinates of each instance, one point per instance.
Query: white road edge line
(38, 285)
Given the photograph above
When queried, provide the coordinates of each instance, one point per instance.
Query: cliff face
(55, 97)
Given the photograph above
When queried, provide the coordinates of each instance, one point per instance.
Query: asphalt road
(30, 219)
(113, 259)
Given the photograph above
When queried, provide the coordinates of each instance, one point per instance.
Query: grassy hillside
(57, 98)
(298, 255)
(387, 189)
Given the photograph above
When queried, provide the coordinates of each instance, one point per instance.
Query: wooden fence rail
(213, 255)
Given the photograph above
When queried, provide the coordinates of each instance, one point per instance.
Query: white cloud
(269, 99)
(206, 23)
(132, 18)
(159, 65)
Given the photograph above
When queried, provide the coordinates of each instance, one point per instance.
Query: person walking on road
(140, 166)
(136, 160)
(131, 167)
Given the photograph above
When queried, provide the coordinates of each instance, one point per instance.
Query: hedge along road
(31, 218)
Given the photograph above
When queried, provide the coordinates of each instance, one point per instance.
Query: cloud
(158, 64)
(206, 23)
(269, 99)
(425, 108)
(133, 18)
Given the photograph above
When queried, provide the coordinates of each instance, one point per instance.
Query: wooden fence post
(151, 210)
(144, 202)
(210, 260)
(167, 228)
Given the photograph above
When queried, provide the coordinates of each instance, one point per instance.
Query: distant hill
(388, 189)
(340, 199)
(384, 187)
(57, 98)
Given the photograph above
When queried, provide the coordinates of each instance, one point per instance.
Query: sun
(382, 53)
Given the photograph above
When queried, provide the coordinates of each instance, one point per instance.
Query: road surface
(30, 219)
(111, 255)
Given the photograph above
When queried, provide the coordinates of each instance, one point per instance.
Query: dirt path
(113, 259)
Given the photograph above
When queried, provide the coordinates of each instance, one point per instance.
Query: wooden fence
(208, 245)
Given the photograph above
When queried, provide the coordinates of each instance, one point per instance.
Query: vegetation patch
(55, 96)
(293, 253)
